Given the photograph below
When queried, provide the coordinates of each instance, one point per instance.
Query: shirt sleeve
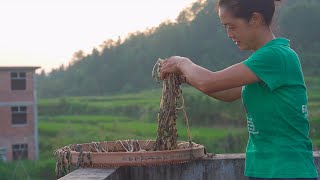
(268, 65)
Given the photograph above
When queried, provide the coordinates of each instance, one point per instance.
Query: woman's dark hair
(245, 8)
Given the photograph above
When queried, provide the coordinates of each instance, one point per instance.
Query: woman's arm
(227, 95)
(210, 82)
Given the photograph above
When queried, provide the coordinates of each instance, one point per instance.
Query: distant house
(18, 114)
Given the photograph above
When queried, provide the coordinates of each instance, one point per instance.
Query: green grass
(85, 118)
(124, 103)
(126, 130)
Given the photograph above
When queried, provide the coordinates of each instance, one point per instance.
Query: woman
(272, 88)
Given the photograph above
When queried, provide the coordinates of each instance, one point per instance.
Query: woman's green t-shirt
(277, 115)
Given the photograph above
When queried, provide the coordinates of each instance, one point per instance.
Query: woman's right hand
(173, 64)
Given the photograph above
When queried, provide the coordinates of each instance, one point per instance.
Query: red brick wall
(8, 130)
(7, 143)
(6, 95)
(16, 134)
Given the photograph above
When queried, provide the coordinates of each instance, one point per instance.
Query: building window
(3, 154)
(19, 151)
(19, 115)
(18, 81)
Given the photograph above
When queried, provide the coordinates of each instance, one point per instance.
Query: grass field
(221, 127)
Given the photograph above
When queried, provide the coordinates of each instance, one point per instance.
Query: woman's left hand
(172, 65)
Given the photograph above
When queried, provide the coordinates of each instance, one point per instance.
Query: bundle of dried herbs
(167, 131)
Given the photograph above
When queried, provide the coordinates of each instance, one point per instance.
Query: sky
(47, 33)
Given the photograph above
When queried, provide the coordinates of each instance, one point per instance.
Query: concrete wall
(219, 167)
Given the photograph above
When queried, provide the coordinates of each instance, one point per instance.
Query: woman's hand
(173, 64)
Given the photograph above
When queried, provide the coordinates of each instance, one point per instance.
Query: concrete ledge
(89, 173)
(220, 167)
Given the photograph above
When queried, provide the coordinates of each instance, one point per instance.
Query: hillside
(125, 65)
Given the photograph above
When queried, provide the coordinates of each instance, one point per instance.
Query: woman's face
(239, 30)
